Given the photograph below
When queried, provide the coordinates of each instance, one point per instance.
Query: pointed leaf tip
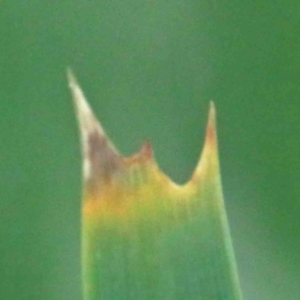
(85, 115)
(100, 158)
(211, 125)
(209, 155)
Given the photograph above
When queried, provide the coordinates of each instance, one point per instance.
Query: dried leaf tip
(85, 115)
(99, 155)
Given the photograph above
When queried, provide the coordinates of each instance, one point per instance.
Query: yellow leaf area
(136, 190)
(127, 189)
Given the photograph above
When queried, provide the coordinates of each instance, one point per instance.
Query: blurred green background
(149, 70)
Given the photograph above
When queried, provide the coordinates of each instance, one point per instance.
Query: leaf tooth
(100, 158)
(210, 144)
(145, 154)
(209, 156)
(146, 150)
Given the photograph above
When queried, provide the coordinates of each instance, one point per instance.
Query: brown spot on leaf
(105, 163)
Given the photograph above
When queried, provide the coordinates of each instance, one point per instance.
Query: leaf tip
(211, 137)
(99, 155)
(209, 156)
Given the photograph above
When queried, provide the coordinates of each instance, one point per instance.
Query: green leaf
(145, 237)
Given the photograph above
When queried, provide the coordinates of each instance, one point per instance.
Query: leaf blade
(143, 236)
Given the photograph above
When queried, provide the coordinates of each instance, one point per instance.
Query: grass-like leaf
(145, 237)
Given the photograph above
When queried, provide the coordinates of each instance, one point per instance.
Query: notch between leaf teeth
(101, 160)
